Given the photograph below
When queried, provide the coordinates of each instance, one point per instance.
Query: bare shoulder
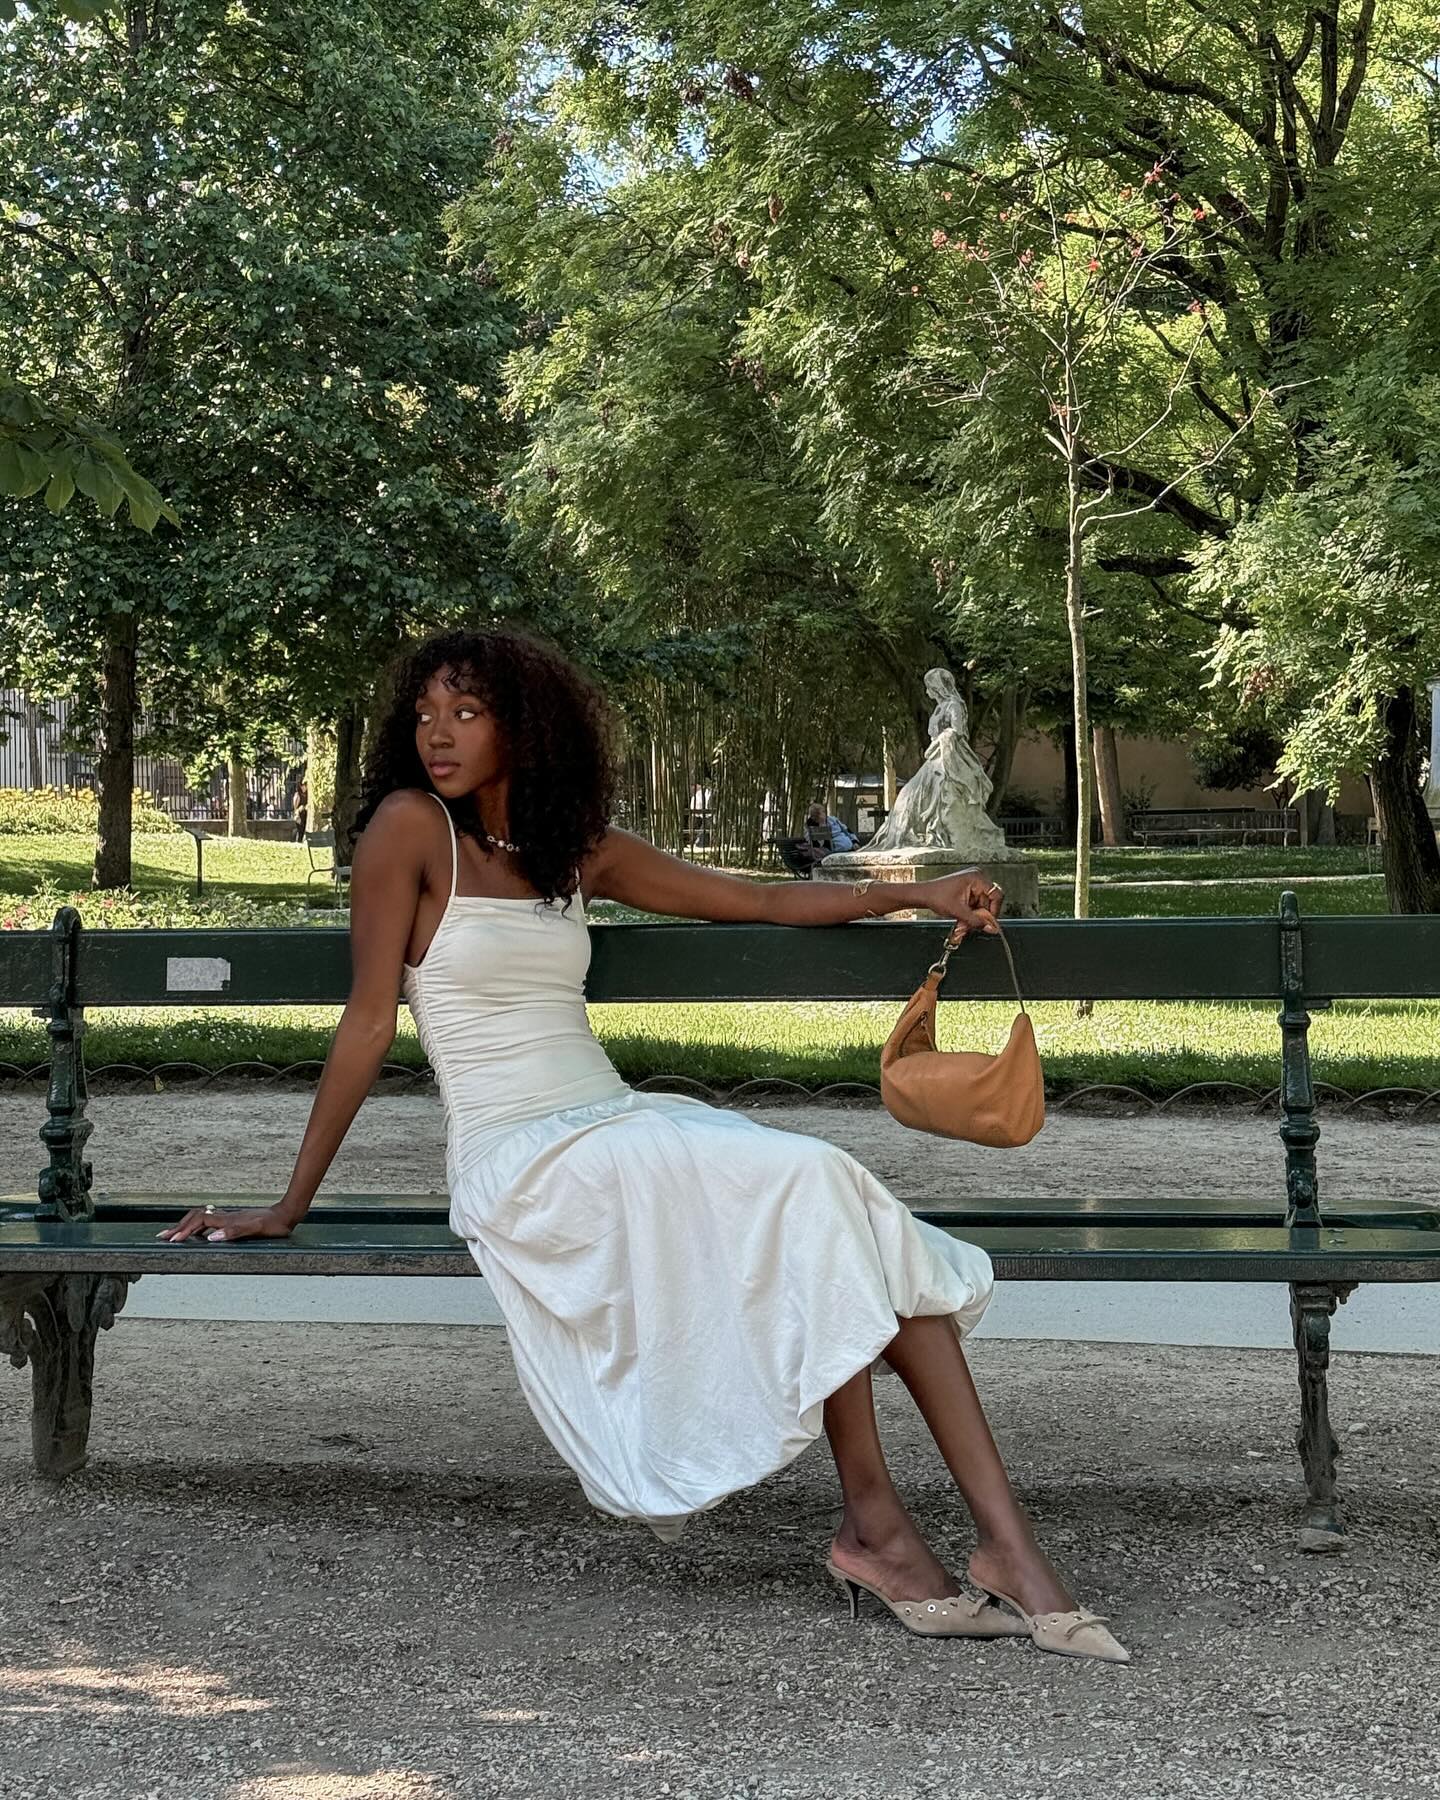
(405, 824)
(614, 849)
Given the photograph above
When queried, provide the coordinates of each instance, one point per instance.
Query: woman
(942, 805)
(690, 1296)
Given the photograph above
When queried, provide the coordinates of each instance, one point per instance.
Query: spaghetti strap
(454, 846)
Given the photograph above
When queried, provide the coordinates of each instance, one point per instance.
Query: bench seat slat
(1032, 1210)
(1407, 1250)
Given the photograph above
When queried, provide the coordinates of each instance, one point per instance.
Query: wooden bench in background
(1215, 825)
(69, 1252)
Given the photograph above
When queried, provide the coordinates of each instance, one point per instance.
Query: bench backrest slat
(1057, 959)
(26, 960)
(1391, 956)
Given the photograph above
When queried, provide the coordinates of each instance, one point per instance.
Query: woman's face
(457, 740)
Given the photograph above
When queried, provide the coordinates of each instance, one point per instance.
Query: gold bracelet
(862, 887)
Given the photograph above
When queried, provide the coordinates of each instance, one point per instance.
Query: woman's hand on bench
(224, 1227)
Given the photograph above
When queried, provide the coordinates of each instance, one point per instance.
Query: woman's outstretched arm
(385, 883)
(625, 868)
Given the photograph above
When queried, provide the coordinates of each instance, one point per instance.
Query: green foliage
(234, 254)
(1242, 757)
(1340, 580)
(82, 11)
(796, 306)
(762, 245)
(46, 447)
(27, 811)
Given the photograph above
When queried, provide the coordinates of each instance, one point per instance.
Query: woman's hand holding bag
(993, 1100)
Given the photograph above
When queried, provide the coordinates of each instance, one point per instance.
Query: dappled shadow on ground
(316, 1561)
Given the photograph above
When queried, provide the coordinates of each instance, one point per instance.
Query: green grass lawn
(1158, 1048)
(163, 864)
(1227, 862)
(1155, 1047)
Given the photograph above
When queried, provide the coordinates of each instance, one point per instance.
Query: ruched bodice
(499, 1006)
(682, 1286)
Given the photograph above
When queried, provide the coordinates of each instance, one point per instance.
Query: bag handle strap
(956, 938)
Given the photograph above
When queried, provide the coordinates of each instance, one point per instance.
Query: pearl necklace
(498, 842)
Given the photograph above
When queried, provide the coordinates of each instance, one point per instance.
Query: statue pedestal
(1019, 878)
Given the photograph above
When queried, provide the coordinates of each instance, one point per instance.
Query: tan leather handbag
(994, 1100)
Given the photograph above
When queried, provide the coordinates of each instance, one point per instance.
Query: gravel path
(236, 1142)
(340, 1563)
(315, 1562)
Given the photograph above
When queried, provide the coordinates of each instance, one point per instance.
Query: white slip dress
(682, 1286)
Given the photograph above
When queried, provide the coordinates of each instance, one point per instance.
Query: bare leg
(877, 1539)
(926, 1355)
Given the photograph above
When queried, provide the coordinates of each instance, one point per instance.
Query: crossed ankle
(877, 1536)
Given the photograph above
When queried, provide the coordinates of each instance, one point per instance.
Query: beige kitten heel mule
(1078, 1633)
(953, 1615)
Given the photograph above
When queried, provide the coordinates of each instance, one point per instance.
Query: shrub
(1242, 757)
(25, 810)
(116, 908)
(1018, 804)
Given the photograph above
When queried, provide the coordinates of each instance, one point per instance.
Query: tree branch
(1163, 496)
(1150, 568)
(1152, 80)
(60, 248)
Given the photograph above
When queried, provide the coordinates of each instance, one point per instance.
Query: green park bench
(69, 1254)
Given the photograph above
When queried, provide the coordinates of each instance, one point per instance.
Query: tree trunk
(1107, 781)
(319, 776)
(238, 781)
(117, 751)
(348, 729)
(1069, 800)
(1409, 853)
(1007, 740)
(892, 785)
(34, 755)
(1080, 676)
(1308, 803)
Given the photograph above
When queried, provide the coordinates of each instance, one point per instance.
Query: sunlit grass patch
(1157, 1047)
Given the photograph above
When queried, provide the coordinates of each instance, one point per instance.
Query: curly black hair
(554, 726)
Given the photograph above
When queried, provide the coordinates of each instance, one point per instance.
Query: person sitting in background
(826, 832)
(823, 835)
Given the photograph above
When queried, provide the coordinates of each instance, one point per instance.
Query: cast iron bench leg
(1311, 1307)
(51, 1324)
